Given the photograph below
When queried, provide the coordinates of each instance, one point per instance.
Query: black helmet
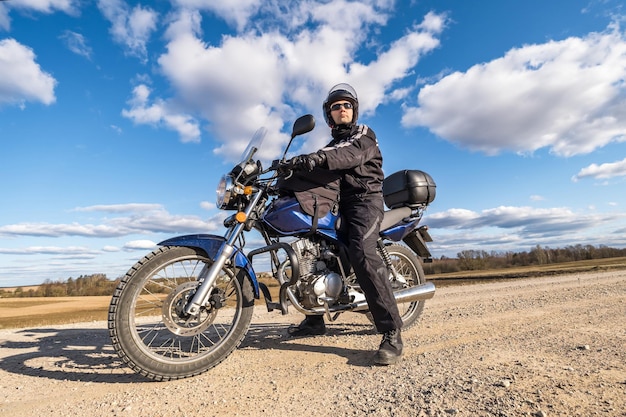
(341, 91)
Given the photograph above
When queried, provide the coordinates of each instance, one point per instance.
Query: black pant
(362, 219)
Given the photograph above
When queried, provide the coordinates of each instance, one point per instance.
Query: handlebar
(281, 167)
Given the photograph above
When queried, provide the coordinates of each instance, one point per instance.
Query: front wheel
(149, 329)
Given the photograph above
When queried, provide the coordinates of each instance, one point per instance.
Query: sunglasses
(337, 106)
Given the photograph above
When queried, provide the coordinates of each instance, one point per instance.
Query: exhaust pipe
(424, 291)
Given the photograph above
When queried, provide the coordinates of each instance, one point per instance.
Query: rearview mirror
(303, 125)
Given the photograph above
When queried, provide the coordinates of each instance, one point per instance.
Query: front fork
(208, 275)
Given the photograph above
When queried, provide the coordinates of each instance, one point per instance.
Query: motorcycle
(185, 307)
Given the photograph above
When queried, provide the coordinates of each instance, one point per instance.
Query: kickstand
(328, 316)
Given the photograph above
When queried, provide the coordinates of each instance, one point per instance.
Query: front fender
(211, 245)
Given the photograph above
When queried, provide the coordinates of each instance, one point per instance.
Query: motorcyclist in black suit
(354, 154)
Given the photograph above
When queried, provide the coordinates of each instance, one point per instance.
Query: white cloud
(354, 15)
(206, 205)
(22, 78)
(50, 250)
(46, 6)
(525, 221)
(130, 27)
(121, 208)
(139, 245)
(161, 112)
(164, 222)
(141, 219)
(77, 43)
(57, 230)
(5, 20)
(603, 171)
(266, 78)
(42, 6)
(520, 228)
(236, 13)
(568, 96)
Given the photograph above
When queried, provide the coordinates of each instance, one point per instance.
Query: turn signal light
(240, 217)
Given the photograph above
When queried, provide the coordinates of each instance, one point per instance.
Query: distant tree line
(468, 260)
(474, 260)
(96, 284)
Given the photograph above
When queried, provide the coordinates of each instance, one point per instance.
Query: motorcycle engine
(317, 283)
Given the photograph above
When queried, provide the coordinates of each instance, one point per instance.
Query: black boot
(310, 326)
(390, 349)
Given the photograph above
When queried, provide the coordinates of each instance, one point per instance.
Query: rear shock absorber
(382, 250)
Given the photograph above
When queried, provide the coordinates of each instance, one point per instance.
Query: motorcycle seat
(394, 216)
(391, 218)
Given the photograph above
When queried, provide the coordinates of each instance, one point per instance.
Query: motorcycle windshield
(253, 146)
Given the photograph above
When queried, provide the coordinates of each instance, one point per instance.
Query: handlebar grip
(282, 166)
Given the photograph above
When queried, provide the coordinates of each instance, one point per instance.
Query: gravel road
(528, 347)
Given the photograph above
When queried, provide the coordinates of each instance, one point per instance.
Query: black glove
(308, 162)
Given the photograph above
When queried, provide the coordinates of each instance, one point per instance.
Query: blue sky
(118, 118)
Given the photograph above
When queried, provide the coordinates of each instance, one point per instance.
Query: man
(355, 155)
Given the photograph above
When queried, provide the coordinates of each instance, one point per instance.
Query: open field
(591, 265)
(27, 288)
(42, 311)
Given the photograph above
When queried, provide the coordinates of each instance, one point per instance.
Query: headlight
(224, 192)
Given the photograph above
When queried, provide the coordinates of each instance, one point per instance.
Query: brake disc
(173, 316)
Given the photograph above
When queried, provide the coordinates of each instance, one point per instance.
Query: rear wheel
(149, 329)
(407, 272)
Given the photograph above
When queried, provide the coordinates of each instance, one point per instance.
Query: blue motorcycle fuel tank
(286, 217)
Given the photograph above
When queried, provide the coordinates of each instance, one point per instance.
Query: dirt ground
(528, 347)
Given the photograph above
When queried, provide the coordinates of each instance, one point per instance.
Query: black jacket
(355, 154)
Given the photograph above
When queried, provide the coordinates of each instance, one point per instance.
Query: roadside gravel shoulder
(528, 347)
